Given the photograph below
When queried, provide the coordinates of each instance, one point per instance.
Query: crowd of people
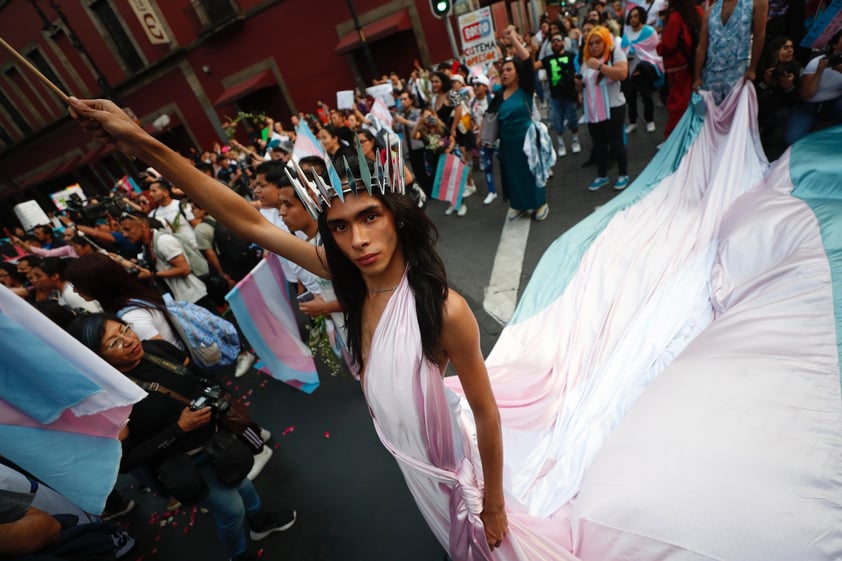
(196, 229)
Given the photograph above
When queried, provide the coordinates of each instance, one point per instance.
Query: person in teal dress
(514, 116)
(730, 44)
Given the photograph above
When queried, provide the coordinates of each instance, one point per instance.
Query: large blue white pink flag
(669, 385)
(263, 309)
(451, 178)
(61, 406)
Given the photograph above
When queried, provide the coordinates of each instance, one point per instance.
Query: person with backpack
(678, 50)
(165, 259)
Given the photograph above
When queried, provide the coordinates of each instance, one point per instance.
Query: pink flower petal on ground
(327, 434)
(288, 430)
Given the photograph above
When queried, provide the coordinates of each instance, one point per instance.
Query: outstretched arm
(460, 340)
(701, 52)
(107, 123)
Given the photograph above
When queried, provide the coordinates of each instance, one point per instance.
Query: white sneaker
(422, 196)
(265, 435)
(244, 363)
(463, 210)
(562, 150)
(514, 214)
(650, 126)
(260, 461)
(469, 190)
(574, 146)
(631, 128)
(450, 210)
(489, 198)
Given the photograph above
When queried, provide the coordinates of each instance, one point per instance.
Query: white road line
(501, 293)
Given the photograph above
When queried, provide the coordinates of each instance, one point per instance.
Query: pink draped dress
(429, 429)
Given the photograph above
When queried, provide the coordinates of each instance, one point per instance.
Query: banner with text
(476, 32)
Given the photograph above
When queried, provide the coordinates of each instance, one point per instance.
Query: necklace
(381, 290)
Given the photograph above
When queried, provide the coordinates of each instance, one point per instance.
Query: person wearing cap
(282, 151)
(564, 97)
(479, 107)
(465, 138)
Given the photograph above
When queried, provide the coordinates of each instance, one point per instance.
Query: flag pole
(24, 61)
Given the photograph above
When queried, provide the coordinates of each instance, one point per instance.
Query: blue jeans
(803, 117)
(487, 164)
(563, 111)
(229, 506)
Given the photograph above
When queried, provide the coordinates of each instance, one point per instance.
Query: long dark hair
(96, 275)
(417, 236)
(90, 329)
(689, 11)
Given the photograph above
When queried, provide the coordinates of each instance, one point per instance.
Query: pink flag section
(306, 143)
(451, 178)
(263, 310)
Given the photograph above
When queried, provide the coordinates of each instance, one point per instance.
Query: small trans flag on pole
(451, 178)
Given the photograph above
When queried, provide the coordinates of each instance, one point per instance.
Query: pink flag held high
(451, 178)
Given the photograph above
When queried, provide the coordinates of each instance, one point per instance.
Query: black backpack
(236, 255)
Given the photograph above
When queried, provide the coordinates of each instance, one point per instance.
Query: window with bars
(125, 48)
(40, 62)
(13, 112)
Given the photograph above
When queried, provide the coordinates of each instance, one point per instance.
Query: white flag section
(670, 383)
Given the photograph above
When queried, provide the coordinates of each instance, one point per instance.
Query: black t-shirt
(153, 432)
(561, 74)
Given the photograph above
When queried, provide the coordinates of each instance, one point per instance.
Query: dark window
(14, 114)
(106, 15)
(41, 63)
(4, 136)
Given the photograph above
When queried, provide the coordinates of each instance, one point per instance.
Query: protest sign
(476, 30)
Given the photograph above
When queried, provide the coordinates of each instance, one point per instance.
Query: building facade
(182, 66)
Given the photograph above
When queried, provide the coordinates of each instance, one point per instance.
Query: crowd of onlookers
(111, 259)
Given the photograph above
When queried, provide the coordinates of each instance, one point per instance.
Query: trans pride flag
(61, 406)
(669, 385)
(261, 304)
(450, 181)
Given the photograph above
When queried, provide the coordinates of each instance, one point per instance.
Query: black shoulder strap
(175, 368)
(150, 387)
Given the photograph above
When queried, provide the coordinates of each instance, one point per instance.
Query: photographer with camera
(821, 92)
(180, 433)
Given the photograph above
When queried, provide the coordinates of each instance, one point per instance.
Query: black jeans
(640, 84)
(609, 138)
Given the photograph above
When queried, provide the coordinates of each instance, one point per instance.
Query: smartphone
(305, 296)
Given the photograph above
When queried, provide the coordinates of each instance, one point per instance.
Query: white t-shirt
(149, 323)
(830, 82)
(70, 298)
(186, 289)
(171, 216)
(652, 16)
(615, 94)
(289, 268)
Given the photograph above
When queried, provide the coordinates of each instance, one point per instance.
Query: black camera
(834, 60)
(213, 397)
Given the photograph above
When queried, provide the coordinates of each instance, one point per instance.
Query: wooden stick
(24, 61)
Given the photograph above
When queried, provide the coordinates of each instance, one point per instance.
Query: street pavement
(350, 496)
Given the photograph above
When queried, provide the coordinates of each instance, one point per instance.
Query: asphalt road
(351, 500)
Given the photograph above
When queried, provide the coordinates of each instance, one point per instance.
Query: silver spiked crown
(317, 194)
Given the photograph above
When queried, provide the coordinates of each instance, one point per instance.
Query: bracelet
(600, 68)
